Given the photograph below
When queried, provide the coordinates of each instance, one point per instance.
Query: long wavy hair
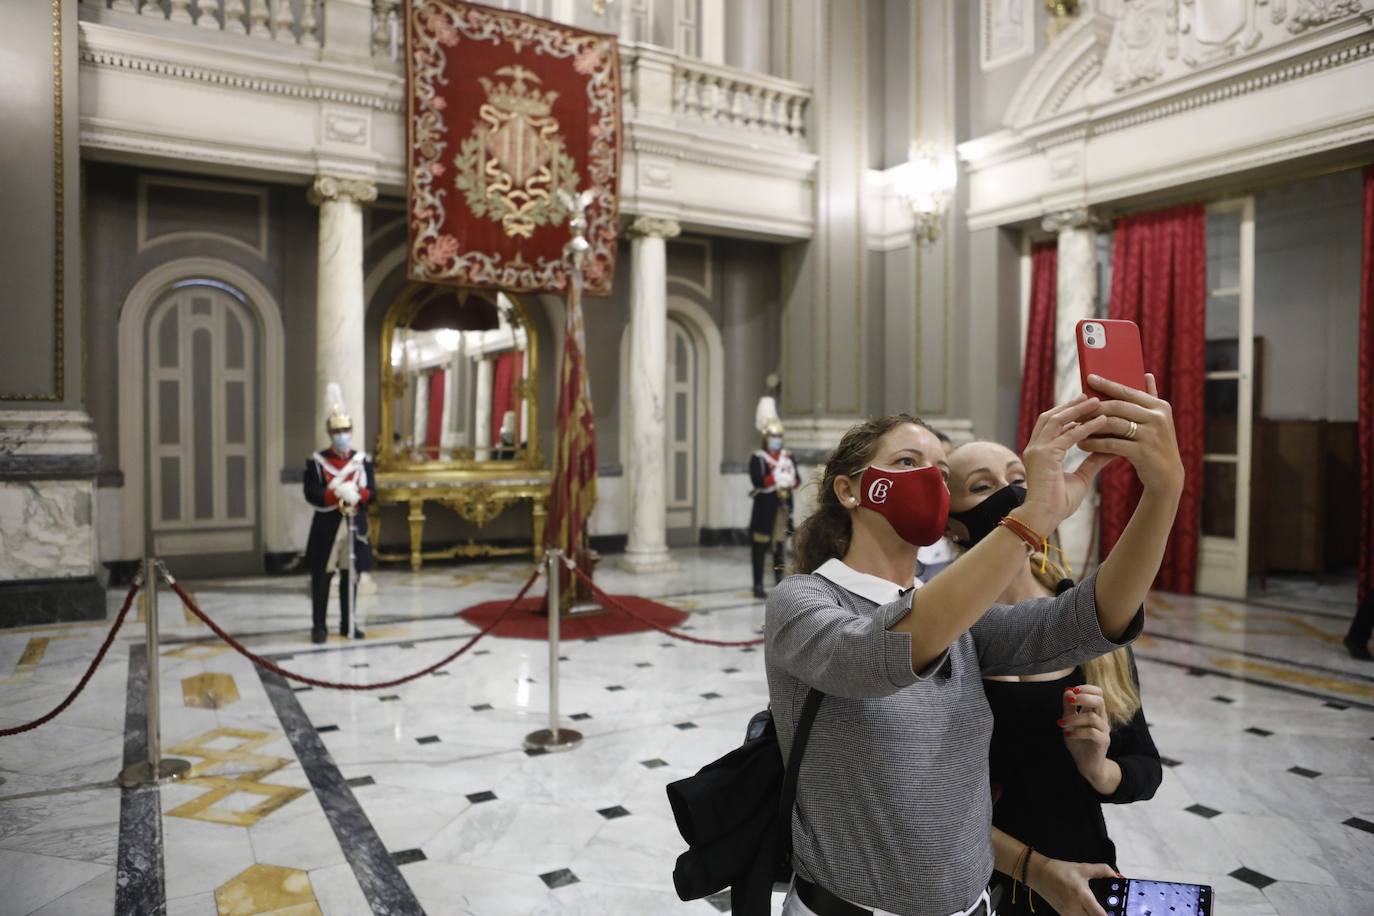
(826, 532)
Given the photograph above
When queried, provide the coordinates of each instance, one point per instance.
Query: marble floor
(420, 798)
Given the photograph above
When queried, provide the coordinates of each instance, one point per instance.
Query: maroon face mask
(914, 501)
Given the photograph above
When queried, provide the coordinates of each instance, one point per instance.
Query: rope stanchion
(95, 663)
(261, 662)
(608, 601)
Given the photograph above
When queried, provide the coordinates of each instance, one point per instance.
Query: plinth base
(169, 769)
(565, 739)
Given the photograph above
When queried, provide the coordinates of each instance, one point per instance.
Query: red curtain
(434, 425)
(1366, 421)
(510, 366)
(1037, 371)
(1159, 281)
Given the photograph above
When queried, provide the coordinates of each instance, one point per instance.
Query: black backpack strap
(789, 781)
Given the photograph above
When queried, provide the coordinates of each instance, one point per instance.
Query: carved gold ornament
(511, 167)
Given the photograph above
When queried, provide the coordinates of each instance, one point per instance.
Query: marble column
(339, 304)
(1076, 299)
(645, 468)
(481, 413)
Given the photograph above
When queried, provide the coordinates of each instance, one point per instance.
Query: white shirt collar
(879, 591)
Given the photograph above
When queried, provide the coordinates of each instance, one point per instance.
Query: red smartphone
(1110, 348)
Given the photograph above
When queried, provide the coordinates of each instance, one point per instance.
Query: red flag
(574, 460)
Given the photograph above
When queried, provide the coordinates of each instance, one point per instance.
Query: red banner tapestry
(507, 111)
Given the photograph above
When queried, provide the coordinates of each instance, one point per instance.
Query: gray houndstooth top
(894, 809)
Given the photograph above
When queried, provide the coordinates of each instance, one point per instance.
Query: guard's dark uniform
(774, 476)
(326, 545)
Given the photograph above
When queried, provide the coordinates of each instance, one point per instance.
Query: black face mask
(983, 518)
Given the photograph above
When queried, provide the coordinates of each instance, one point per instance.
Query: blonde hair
(1113, 673)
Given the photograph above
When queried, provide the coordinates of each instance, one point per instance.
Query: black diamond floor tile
(611, 814)
(561, 878)
(1220, 699)
(306, 689)
(1262, 732)
(614, 688)
(360, 665)
(441, 674)
(730, 671)
(580, 716)
(482, 652)
(685, 726)
(1252, 877)
(1169, 761)
(326, 728)
(406, 856)
(720, 901)
(360, 781)
(1304, 771)
(1196, 672)
(653, 764)
(536, 751)
(405, 645)
(428, 739)
(478, 797)
(481, 707)
(390, 698)
(1202, 811)
(710, 696)
(644, 664)
(1332, 704)
(1359, 823)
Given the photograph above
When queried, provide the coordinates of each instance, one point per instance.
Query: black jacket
(766, 504)
(324, 527)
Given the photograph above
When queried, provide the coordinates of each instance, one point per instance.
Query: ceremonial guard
(339, 483)
(774, 477)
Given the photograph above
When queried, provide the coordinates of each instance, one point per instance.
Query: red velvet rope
(95, 663)
(608, 601)
(334, 685)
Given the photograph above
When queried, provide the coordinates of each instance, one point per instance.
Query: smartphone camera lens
(1092, 341)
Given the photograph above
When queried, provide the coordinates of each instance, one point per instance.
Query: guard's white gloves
(348, 494)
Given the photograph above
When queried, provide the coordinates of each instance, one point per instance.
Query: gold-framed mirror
(459, 386)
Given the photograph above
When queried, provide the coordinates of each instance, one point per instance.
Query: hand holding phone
(1111, 349)
(1138, 897)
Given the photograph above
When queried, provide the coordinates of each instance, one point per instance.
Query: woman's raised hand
(1141, 430)
(1053, 493)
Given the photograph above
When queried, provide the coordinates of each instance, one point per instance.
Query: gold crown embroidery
(512, 165)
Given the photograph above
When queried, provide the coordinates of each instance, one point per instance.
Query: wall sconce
(928, 185)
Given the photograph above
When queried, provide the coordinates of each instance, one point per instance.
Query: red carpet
(528, 622)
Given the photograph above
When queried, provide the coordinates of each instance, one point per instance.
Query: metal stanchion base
(169, 769)
(564, 739)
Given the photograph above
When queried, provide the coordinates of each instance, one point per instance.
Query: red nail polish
(1060, 723)
(1077, 690)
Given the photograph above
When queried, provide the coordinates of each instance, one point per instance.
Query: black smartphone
(1139, 897)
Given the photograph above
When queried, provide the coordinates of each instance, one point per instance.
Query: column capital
(331, 187)
(1072, 218)
(658, 227)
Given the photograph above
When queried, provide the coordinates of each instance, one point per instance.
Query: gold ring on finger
(1130, 433)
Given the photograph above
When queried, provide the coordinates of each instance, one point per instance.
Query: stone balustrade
(292, 22)
(751, 101)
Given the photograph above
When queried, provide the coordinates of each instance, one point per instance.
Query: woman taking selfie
(893, 810)
(1063, 742)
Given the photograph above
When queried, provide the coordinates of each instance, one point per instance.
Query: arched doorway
(682, 435)
(201, 400)
(148, 409)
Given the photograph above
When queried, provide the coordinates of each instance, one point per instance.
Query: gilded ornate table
(477, 498)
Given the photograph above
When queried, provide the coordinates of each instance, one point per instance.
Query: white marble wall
(47, 526)
(46, 529)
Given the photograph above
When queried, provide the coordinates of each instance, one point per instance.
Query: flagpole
(555, 738)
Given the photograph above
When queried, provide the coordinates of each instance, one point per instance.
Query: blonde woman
(1063, 742)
